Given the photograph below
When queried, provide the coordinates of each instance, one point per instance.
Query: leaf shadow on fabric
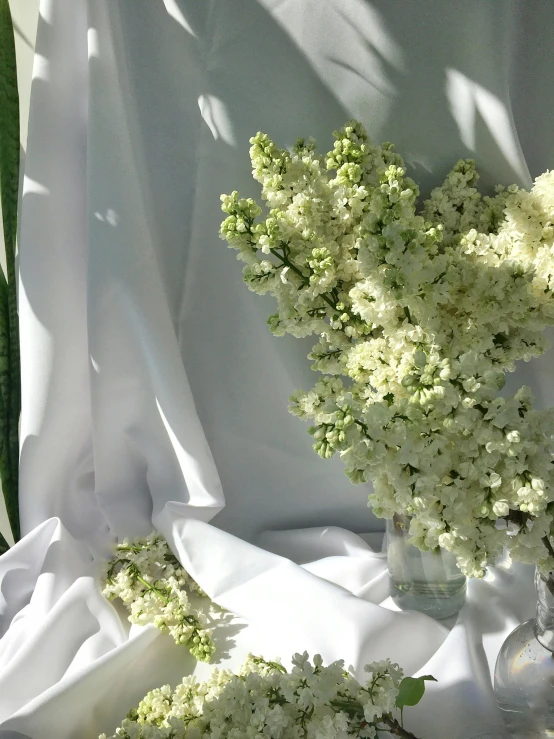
(240, 73)
(433, 38)
(225, 628)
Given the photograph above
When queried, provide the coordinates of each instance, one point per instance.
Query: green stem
(548, 545)
(274, 665)
(290, 265)
(192, 621)
(353, 708)
(284, 259)
(113, 564)
(396, 729)
(151, 587)
(306, 281)
(550, 580)
(348, 706)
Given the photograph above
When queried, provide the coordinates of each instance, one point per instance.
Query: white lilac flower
(422, 312)
(264, 699)
(153, 585)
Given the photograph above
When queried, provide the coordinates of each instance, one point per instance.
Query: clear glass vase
(524, 672)
(429, 582)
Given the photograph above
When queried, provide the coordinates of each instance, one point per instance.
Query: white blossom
(153, 585)
(419, 313)
(266, 700)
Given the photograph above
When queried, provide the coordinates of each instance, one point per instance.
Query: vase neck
(544, 625)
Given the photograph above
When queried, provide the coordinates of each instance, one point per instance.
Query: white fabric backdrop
(151, 383)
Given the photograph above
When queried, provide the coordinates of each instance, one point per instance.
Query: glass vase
(429, 582)
(524, 672)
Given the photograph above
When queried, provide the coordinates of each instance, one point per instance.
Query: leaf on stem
(411, 690)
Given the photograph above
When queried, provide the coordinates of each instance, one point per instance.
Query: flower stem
(290, 265)
(306, 281)
(396, 729)
(550, 579)
(548, 545)
(151, 587)
(135, 550)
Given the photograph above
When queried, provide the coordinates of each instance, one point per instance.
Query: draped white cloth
(151, 384)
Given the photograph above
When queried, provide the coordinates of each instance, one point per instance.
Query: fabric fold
(296, 608)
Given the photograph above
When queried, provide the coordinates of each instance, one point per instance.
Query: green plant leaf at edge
(4, 546)
(10, 382)
(5, 466)
(411, 690)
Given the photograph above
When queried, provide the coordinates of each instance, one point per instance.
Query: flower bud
(501, 508)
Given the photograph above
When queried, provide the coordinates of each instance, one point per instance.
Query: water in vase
(429, 582)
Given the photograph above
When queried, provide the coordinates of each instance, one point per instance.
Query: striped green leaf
(10, 382)
(6, 475)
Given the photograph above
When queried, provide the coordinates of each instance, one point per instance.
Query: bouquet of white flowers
(265, 700)
(422, 312)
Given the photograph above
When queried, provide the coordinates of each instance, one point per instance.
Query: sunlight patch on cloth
(32, 187)
(215, 115)
(467, 98)
(362, 65)
(93, 44)
(177, 14)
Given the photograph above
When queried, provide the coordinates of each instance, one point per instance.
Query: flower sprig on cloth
(419, 314)
(264, 699)
(153, 585)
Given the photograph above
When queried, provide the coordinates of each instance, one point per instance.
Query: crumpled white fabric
(71, 667)
(150, 381)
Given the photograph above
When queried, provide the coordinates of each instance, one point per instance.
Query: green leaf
(411, 690)
(10, 378)
(9, 129)
(4, 546)
(6, 474)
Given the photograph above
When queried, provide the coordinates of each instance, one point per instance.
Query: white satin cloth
(151, 384)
